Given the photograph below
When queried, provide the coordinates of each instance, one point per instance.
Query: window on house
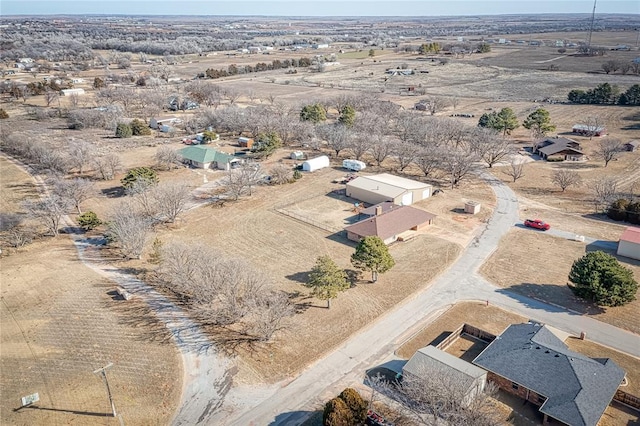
(514, 386)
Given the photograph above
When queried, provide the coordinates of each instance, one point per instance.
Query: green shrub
(618, 209)
(139, 173)
(297, 174)
(3, 114)
(356, 404)
(598, 277)
(123, 130)
(89, 220)
(139, 128)
(336, 413)
(633, 213)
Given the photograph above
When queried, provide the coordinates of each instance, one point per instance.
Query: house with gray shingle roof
(528, 360)
(559, 149)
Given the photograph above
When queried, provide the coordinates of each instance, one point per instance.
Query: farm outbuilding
(204, 157)
(157, 123)
(587, 130)
(245, 142)
(629, 244)
(297, 155)
(316, 163)
(376, 189)
(69, 92)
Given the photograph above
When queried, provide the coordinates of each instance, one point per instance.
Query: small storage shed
(297, 155)
(472, 207)
(245, 142)
(629, 244)
(316, 163)
(69, 92)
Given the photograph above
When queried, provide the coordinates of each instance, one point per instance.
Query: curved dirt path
(291, 402)
(207, 373)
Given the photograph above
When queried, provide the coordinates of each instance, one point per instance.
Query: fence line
(309, 221)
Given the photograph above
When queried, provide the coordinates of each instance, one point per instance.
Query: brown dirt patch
(16, 186)
(537, 265)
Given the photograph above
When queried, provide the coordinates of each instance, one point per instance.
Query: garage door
(407, 199)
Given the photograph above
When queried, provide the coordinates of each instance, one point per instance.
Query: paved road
(291, 403)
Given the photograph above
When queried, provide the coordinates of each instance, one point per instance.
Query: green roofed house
(208, 158)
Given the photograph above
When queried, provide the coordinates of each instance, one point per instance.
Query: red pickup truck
(537, 224)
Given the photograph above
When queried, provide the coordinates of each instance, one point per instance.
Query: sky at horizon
(313, 8)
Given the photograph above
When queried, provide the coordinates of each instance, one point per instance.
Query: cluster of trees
(276, 64)
(610, 67)
(606, 93)
(327, 279)
(348, 408)
(624, 209)
(598, 277)
(438, 146)
(221, 291)
(134, 128)
(505, 121)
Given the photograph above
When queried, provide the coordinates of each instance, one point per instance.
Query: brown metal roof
(393, 222)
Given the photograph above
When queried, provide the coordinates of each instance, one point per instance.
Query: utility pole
(103, 373)
(593, 18)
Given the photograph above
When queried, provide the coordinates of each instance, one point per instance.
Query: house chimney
(378, 210)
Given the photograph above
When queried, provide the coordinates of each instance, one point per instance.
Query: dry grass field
(59, 322)
(495, 320)
(537, 265)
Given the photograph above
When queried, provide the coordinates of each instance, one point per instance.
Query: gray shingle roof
(578, 388)
(552, 146)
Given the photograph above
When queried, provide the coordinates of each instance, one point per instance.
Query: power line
(593, 18)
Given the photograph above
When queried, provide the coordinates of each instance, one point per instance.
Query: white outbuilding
(376, 189)
(69, 92)
(629, 245)
(316, 163)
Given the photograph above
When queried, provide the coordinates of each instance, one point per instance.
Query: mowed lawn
(537, 265)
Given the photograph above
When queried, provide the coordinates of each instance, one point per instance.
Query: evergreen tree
(599, 277)
(314, 113)
(372, 254)
(539, 122)
(89, 220)
(356, 405)
(326, 280)
(507, 120)
(267, 143)
(618, 209)
(139, 173)
(631, 96)
(139, 128)
(123, 130)
(336, 413)
(347, 115)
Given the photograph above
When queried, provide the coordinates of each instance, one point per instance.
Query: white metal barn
(376, 189)
(316, 163)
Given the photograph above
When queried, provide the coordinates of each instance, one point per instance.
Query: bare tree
(269, 315)
(436, 396)
(171, 200)
(609, 149)
(80, 154)
(129, 229)
(436, 103)
(360, 144)
(231, 95)
(604, 191)
(515, 169)
(49, 211)
(338, 136)
(428, 160)
(405, 153)
(457, 165)
(74, 191)
(593, 124)
(281, 174)
(240, 181)
(74, 100)
(489, 146)
(107, 166)
(167, 157)
(50, 96)
(381, 148)
(565, 178)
